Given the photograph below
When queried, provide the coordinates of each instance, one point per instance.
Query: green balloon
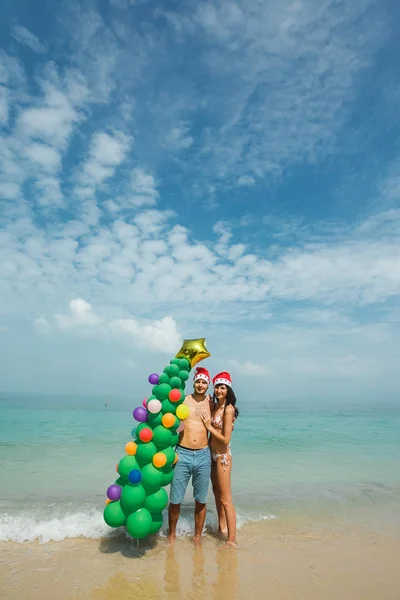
(152, 478)
(184, 364)
(171, 370)
(161, 437)
(175, 382)
(183, 375)
(168, 475)
(132, 497)
(168, 407)
(156, 502)
(139, 523)
(162, 391)
(156, 522)
(164, 378)
(121, 481)
(152, 397)
(175, 426)
(174, 439)
(113, 514)
(170, 454)
(126, 465)
(145, 452)
(155, 419)
(174, 361)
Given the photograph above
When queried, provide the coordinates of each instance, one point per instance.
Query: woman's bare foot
(231, 544)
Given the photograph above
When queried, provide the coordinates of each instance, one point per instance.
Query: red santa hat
(224, 378)
(202, 373)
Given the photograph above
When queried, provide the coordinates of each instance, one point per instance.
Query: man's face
(200, 386)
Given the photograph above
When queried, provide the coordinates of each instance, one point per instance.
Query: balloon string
(135, 544)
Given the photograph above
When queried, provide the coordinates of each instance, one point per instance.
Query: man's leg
(182, 472)
(200, 511)
(174, 510)
(201, 480)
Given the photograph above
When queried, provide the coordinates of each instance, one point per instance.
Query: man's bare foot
(171, 538)
(223, 531)
(231, 544)
(197, 539)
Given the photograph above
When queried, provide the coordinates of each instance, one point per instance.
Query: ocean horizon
(291, 459)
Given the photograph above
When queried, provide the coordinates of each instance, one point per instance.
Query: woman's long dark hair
(230, 399)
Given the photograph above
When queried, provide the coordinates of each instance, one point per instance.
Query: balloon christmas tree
(137, 498)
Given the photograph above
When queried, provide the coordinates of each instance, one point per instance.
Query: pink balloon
(144, 402)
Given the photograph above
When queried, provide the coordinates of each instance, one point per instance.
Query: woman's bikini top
(217, 420)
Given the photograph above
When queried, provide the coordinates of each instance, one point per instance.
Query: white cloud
(80, 314)
(9, 190)
(246, 180)
(28, 39)
(284, 74)
(46, 156)
(160, 335)
(143, 188)
(3, 104)
(178, 137)
(41, 326)
(106, 153)
(249, 368)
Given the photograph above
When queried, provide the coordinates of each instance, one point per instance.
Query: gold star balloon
(194, 351)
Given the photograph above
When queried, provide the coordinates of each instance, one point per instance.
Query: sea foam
(24, 528)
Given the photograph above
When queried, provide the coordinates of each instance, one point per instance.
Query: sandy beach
(276, 560)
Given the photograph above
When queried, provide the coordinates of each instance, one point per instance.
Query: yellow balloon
(182, 412)
(194, 351)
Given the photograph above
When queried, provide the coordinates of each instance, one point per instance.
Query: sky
(220, 169)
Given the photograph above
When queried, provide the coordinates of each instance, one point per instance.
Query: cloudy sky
(212, 168)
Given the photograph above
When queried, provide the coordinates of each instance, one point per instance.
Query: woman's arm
(225, 435)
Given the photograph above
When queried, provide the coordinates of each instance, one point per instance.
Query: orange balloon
(108, 501)
(131, 448)
(159, 460)
(176, 458)
(168, 420)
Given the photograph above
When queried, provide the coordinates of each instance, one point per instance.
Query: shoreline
(275, 559)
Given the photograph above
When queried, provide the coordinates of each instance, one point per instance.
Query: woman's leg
(222, 526)
(223, 478)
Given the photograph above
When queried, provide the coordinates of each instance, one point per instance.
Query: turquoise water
(58, 456)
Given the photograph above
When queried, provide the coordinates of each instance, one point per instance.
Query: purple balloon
(153, 378)
(140, 414)
(114, 492)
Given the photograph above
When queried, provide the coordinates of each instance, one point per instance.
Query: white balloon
(154, 406)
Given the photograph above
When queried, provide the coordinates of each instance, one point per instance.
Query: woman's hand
(205, 417)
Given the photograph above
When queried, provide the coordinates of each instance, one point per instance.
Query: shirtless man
(194, 457)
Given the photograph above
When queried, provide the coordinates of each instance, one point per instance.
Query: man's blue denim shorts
(195, 464)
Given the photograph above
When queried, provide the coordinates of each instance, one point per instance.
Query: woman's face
(220, 391)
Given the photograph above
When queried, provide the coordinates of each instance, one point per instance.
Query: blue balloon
(133, 432)
(135, 476)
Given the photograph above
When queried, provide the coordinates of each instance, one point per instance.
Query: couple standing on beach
(204, 451)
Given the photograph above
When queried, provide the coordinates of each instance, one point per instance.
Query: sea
(291, 459)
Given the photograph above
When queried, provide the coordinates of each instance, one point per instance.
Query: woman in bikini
(220, 426)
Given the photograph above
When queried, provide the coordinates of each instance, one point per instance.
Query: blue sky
(187, 169)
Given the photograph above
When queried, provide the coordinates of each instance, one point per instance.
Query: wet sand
(275, 560)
